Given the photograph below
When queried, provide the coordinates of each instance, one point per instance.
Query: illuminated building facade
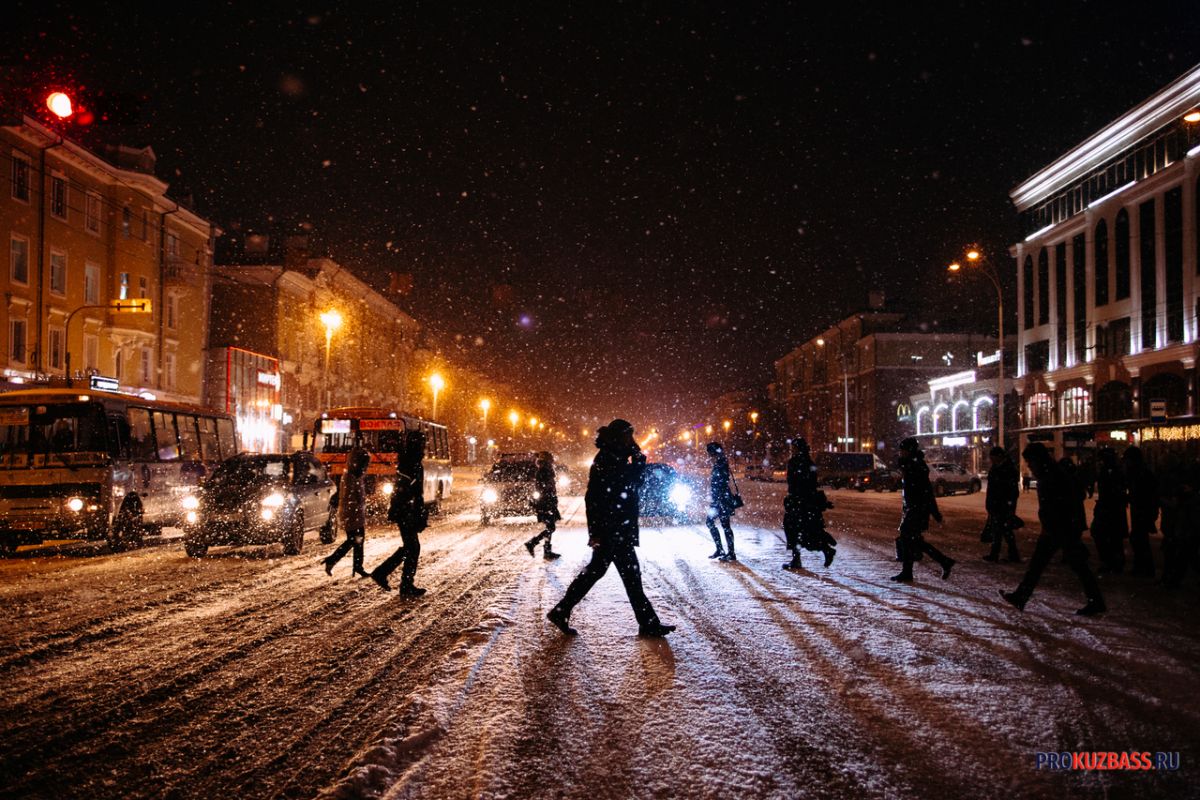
(1107, 283)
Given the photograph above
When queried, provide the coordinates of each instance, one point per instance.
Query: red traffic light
(60, 104)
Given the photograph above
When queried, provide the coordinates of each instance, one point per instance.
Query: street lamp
(485, 406)
(332, 320)
(845, 396)
(514, 418)
(975, 256)
(437, 383)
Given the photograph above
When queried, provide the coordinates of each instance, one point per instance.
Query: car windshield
(513, 471)
(251, 470)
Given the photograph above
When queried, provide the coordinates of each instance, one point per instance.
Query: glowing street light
(332, 320)
(976, 257)
(60, 104)
(754, 417)
(727, 424)
(533, 422)
(1192, 116)
(437, 383)
(485, 406)
(514, 418)
(708, 429)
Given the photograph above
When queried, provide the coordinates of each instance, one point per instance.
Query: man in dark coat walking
(1110, 525)
(721, 506)
(611, 501)
(352, 511)
(407, 510)
(804, 507)
(1060, 509)
(1001, 504)
(1143, 510)
(919, 506)
(545, 504)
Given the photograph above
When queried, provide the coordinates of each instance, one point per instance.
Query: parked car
(259, 498)
(949, 478)
(665, 492)
(765, 472)
(508, 488)
(881, 480)
(842, 469)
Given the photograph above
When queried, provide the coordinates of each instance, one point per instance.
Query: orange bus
(380, 431)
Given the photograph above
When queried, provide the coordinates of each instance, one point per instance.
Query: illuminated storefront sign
(1178, 433)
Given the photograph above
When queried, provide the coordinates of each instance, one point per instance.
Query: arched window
(1168, 387)
(982, 413)
(1076, 408)
(922, 413)
(959, 420)
(1101, 263)
(1039, 411)
(1121, 248)
(939, 418)
(1114, 401)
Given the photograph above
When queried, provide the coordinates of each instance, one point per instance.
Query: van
(842, 469)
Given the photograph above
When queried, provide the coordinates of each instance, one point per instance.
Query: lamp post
(485, 406)
(845, 397)
(975, 256)
(437, 384)
(514, 418)
(332, 320)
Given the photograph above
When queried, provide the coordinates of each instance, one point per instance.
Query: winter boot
(655, 630)
(382, 581)
(728, 557)
(408, 590)
(1015, 599)
(829, 554)
(530, 545)
(905, 576)
(947, 565)
(1095, 605)
(560, 620)
(549, 554)
(718, 553)
(795, 563)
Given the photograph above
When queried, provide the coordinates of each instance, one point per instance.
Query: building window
(1060, 302)
(56, 348)
(143, 287)
(172, 308)
(1037, 356)
(123, 290)
(58, 273)
(1076, 407)
(58, 196)
(169, 370)
(18, 260)
(1043, 286)
(20, 176)
(960, 416)
(1079, 293)
(92, 217)
(939, 417)
(91, 353)
(1121, 248)
(1101, 263)
(982, 413)
(16, 341)
(172, 244)
(1039, 411)
(118, 364)
(126, 222)
(91, 284)
(1173, 256)
(922, 413)
(1149, 275)
(1027, 282)
(146, 365)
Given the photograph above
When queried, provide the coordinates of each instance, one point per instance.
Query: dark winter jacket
(1002, 491)
(919, 502)
(407, 506)
(611, 499)
(1143, 500)
(720, 495)
(352, 501)
(545, 483)
(1060, 503)
(1112, 501)
(801, 477)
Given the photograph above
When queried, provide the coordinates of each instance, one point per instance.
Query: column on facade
(1160, 269)
(1135, 277)
(1089, 270)
(1191, 287)
(1020, 360)
(1069, 273)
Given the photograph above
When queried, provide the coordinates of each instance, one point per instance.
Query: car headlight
(190, 502)
(680, 495)
(537, 495)
(489, 495)
(387, 488)
(75, 504)
(273, 500)
(191, 517)
(563, 481)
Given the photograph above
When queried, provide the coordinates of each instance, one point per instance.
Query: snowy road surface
(251, 674)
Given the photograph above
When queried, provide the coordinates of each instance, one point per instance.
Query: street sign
(139, 306)
(1158, 410)
(103, 383)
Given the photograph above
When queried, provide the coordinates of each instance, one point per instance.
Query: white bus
(380, 431)
(110, 466)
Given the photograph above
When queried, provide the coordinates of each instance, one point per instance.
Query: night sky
(677, 194)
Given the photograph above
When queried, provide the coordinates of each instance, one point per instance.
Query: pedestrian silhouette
(721, 503)
(919, 506)
(804, 508)
(1060, 509)
(545, 504)
(611, 502)
(407, 510)
(1110, 525)
(352, 511)
(1001, 504)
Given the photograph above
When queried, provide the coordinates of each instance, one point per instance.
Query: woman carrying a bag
(407, 510)
(722, 502)
(352, 511)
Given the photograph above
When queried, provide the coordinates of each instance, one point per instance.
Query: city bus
(381, 431)
(106, 465)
